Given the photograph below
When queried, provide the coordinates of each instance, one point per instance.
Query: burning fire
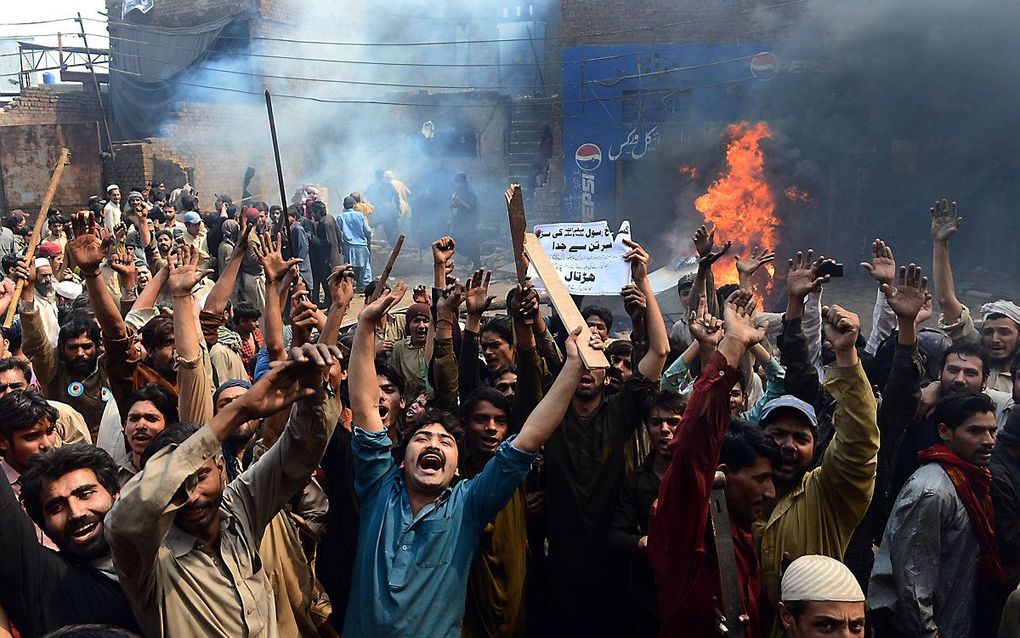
(740, 202)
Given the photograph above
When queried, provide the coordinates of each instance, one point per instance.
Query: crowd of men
(196, 443)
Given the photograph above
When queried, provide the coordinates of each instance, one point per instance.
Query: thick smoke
(879, 109)
(341, 145)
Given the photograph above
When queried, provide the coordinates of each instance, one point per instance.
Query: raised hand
(910, 295)
(123, 265)
(882, 266)
(375, 311)
(704, 239)
(706, 329)
(24, 269)
(88, 248)
(634, 302)
(341, 285)
(443, 250)
(448, 306)
(711, 257)
(270, 254)
(758, 258)
(841, 328)
(420, 294)
(476, 294)
(802, 277)
(288, 381)
(738, 319)
(525, 302)
(944, 220)
(184, 271)
(638, 258)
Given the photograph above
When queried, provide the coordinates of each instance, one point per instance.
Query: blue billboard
(623, 103)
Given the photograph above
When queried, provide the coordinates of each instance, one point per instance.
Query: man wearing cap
(816, 511)
(195, 236)
(46, 298)
(821, 597)
(111, 212)
(411, 355)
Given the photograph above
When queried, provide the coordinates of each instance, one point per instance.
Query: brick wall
(139, 163)
(42, 105)
(181, 13)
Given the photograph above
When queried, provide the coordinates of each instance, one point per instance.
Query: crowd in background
(197, 443)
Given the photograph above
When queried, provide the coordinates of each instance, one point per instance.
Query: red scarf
(973, 486)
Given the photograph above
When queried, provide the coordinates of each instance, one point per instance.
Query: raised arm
(194, 402)
(87, 250)
(801, 280)
(361, 380)
(216, 301)
(944, 223)
(270, 255)
(445, 373)
(548, 414)
(704, 241)
(654, 361)
(747, 267)
(341, 292)
(443, 250)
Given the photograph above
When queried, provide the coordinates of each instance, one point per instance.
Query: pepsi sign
(588, 157)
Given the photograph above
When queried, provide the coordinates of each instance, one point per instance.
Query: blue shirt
(410, 572)
(354, 228)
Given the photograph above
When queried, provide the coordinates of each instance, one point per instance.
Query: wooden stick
(562, 302)
(518, 226)
(33, 243)
(388, 269)
(279, 170)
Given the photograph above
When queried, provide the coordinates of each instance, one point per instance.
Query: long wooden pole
(387, 269)
(33, 243)
(518, 226)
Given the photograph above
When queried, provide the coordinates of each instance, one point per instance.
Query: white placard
(587, 256)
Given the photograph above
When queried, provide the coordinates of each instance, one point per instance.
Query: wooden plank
(518, 227)
(40, 221)
(387, 269)
(565, 307)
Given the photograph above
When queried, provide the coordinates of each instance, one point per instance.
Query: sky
(17, 12)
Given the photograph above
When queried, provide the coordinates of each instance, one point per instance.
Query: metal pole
(95, 82)
(279, 166)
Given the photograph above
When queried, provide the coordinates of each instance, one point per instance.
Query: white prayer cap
(69, 289)
(41, 262)
(815, 578)
(1001, 307)
(111, 187)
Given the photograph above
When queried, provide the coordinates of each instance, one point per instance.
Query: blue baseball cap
(788, 401)
(191, 217)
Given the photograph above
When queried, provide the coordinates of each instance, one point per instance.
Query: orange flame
(796, 195)
(740, 202)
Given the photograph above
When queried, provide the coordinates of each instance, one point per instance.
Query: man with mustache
(73, 372)
(708, 441)
(67, 492)
(185, 543)
(412, 355)
(999, 336)
(817, 509)
(419, 531)
(585, 464)
(938, 554)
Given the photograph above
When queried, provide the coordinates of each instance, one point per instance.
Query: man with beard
(1000, 320)
(67, 492)
(707, 442)
(73, 372)
(45, 294)
(418, 531)
(938, 554)
(816, 511)
(629, 533)
(585, 465)
(165, 529)
(111, 212)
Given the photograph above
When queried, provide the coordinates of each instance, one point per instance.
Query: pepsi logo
(765, 66)
(588, 157)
